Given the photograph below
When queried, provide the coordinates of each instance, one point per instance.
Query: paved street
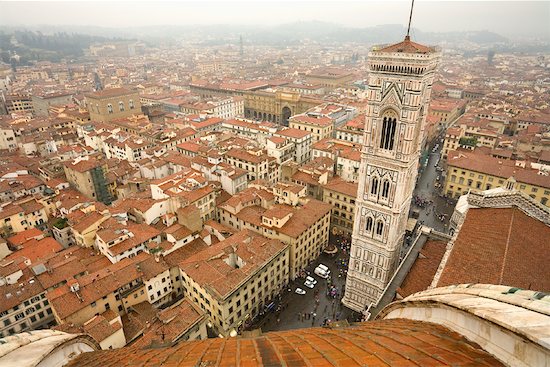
(426, 190)
(327, 308)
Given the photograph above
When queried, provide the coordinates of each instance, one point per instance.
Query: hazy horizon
(509, 18)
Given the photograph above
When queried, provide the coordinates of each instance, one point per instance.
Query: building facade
(400, 81)
(342, 195)
(88, 177)
(474, 171)
(276, 106)
(110, 104)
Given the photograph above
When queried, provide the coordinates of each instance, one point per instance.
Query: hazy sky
(505, 17)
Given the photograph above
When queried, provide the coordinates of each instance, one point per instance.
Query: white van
(320, 272)
(324, 268)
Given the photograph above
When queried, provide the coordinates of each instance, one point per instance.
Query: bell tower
(399, 86)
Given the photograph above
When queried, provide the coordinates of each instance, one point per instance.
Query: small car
(311, 279)
(309, 284)
(324, 268)
(300, 291)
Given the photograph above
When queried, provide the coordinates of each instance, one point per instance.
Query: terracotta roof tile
(500, 246)
(423, 271)
(394, 342)
(479, 162)
(407, 46)
(338, 185)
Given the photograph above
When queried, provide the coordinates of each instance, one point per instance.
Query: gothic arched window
(121, 106)
(370, 224)
(385, 189)
(379, 228)
(374, 186)
(110, 108)
(131, 103)
(389, 125)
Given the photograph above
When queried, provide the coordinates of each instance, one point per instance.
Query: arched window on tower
(110, 108)
(379, 228)
(385, 189)
(374, 186)
(389, 125)
(121, 106)
(370, 224)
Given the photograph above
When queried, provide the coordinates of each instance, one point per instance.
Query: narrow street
(425, 190)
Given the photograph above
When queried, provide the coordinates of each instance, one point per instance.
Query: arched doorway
(286, 112)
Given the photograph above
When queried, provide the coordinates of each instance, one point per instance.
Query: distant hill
(56, 42)
(37, 46)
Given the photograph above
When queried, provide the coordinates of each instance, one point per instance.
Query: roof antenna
(407, 37)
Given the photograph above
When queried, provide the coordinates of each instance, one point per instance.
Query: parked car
(300, 291)
(322, 273)
(309, 284)
(311, 279)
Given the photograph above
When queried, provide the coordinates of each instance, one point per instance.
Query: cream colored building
(476, 171)
(258, 164)
(187, 187)
(341, 195)
(110, 104)
(84, 226)
(87, 175)
(233, 280)
(304, 225)
(319, 127)
(116, 288)
(330, 78)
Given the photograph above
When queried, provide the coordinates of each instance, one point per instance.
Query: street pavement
(294, 304)
(425, 189)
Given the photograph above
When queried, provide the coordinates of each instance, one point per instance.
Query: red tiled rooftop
(108, 93)
(425, 266)
(479, 162)
(338, 185)
(24, 236)
(394, 342)
(407, 46)
(500, 246)
(293, 133)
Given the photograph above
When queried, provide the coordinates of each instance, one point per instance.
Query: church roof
(378, 343)
(500, 246)
(407, 46)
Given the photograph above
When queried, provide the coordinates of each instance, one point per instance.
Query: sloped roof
(407, 46)
(500, 246)
(395, 342)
